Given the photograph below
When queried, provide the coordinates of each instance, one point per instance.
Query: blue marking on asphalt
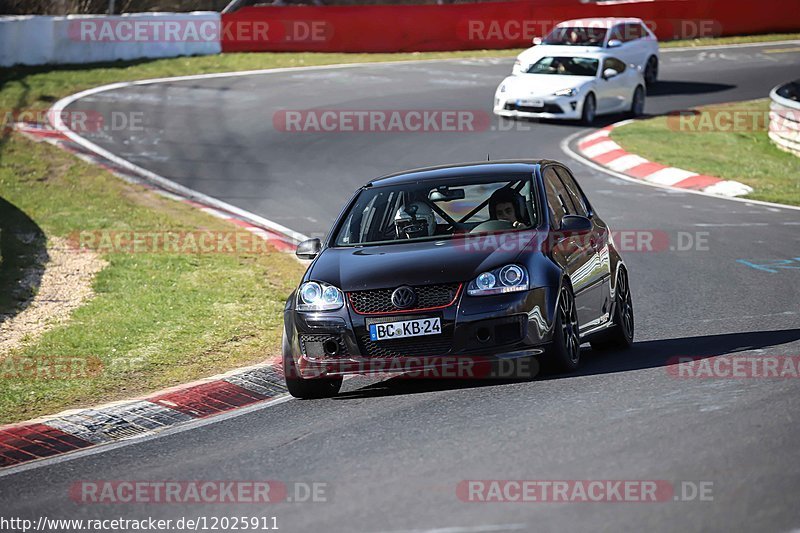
(773, 266)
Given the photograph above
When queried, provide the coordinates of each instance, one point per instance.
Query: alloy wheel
(569, 325)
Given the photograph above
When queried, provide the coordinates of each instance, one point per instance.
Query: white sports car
(629, 39)
(572, 87)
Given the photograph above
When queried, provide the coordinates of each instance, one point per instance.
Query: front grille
(312, 345)
(555, 109)
(412, 347)
(380, 300)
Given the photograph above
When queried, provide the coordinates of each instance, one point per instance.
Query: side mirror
(537, 41)
(610, 73)
(308, 249)
(614, 43)
(576, 225)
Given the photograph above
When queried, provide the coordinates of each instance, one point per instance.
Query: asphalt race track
(393, 452)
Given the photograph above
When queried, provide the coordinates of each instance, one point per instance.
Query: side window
(617, 33)
(633, 32)
(575, 194)
(558, 201)
(614, 63)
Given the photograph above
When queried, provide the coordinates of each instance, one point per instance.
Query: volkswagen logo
(404, 297)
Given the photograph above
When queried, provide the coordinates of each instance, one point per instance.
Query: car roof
(605, 22)
(463, 170)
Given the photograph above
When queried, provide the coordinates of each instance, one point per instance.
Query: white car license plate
(405, 328)
(531, 103)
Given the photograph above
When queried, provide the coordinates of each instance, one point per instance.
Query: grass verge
(774, 174)
(157, 319)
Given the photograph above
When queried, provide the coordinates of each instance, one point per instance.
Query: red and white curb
(83, 428)
(599, 148)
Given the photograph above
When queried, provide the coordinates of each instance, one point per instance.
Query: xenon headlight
(566, 92)
(318, 296)
(510, 278)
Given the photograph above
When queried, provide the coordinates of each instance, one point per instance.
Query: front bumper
(554, 107)
(474, 329)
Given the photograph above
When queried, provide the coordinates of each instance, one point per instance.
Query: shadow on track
(643, 355)
(674, 88)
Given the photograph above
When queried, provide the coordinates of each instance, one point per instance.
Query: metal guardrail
(784, 117)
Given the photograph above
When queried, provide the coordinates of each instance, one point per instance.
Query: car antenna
(487, 156)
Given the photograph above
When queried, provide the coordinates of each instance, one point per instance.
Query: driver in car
(414, 221)
(506, 204)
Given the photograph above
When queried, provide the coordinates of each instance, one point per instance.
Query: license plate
(405, 328)
(531, 103)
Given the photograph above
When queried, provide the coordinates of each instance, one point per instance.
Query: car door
(572, 252)
(638, 49)
(627, 34)
(613, 92)
(598, 275)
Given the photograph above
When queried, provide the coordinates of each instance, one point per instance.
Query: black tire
(306, 389)
(621, 334)
(564, 353)
(651, 71)
(638, 102)
(589, 114)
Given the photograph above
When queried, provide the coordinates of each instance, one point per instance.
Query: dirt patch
(65, 285)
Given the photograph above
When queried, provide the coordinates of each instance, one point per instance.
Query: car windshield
(566, 66)
(577, 37)
(430, 210)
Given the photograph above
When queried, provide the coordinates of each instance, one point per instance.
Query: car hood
(419, 263)
(524, 85)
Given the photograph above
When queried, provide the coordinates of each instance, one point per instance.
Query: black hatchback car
(491, 260)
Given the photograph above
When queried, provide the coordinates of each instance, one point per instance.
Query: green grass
(157, 319)
(745, 156)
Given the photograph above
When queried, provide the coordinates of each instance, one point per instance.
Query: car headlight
(510, 278)
(318, 296)
(567, 92)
